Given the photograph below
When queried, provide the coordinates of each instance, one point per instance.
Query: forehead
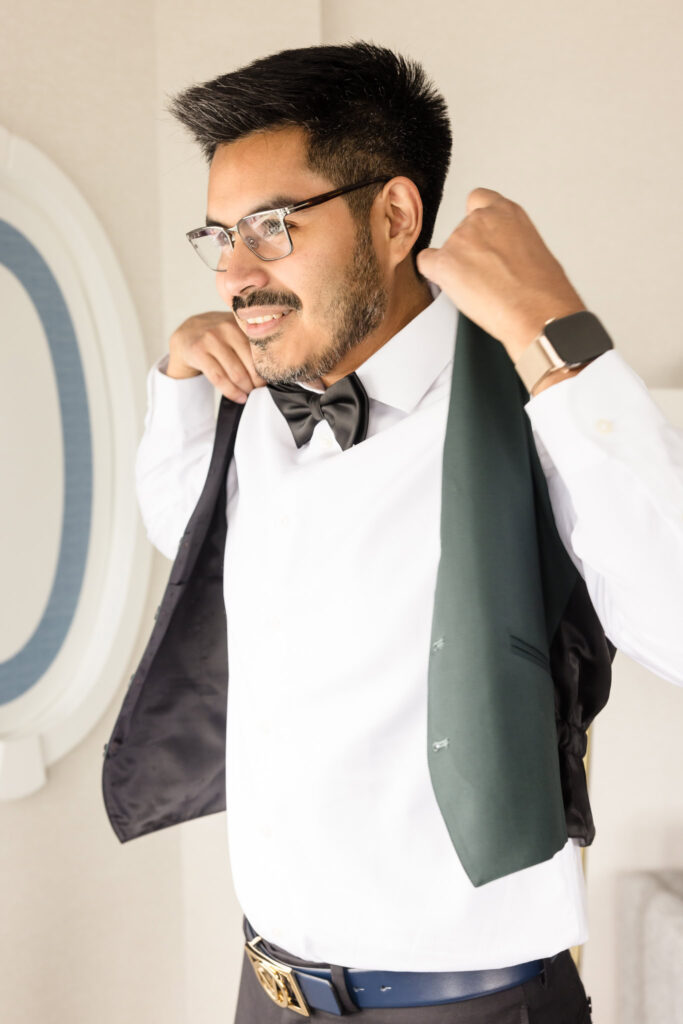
(246, 174)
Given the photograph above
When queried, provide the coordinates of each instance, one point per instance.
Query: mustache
(267, 298)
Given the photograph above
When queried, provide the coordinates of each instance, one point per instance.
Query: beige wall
(572, 111)
(88, 928)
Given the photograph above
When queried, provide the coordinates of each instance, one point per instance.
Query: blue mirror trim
(28, 665)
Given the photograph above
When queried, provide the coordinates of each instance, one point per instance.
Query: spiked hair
(366, 111)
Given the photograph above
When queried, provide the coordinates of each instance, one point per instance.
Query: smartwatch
(567, 342)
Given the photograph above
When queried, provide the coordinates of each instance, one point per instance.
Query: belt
(302, 988)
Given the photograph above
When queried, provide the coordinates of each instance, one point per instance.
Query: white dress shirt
(338, 849)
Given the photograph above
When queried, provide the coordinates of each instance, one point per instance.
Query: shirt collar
(401, 372)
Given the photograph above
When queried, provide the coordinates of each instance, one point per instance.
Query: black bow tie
(344, 405)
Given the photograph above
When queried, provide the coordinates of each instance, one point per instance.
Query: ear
(397, 212)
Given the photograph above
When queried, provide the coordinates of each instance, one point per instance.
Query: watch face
(578, 338)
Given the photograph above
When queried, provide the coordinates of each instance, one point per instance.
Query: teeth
(265, 319)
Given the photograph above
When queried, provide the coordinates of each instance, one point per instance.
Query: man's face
(329, 289)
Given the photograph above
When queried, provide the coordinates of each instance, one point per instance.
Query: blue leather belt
(301, 988)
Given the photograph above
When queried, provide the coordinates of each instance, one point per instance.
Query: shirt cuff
(606, 413)
(188, 402)
(603, 410)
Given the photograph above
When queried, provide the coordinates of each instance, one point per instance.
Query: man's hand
(213, 344)
(498, 271)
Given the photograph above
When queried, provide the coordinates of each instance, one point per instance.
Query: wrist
(533, 325)
(565, 345)
(564, 373)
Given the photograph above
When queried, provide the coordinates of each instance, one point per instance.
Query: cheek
(219, 281)
(321, 278)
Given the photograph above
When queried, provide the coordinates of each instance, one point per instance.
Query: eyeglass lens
(264, 233)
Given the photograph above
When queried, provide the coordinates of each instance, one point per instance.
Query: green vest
(519, 664)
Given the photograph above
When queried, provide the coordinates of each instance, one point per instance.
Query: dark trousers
(556, 996)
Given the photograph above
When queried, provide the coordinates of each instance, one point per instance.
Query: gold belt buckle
(276, 979)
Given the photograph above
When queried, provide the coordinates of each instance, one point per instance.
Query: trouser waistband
(303, 986)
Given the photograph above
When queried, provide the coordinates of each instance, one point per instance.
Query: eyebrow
(274, 203)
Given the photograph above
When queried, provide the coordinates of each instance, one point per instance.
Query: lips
(262, 322)
(262, 314)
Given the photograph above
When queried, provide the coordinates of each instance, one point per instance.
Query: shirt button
(604, 426)
(328, 444)
(285, 521)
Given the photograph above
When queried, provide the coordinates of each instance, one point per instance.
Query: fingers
(237, 365)
(232, 351)
(214, 345)
(224, 380)
(241, 344)
(480, 197)
(430, 264)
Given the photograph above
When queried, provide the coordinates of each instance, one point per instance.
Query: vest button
(438, 644)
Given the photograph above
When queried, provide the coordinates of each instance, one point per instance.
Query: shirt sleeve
(174, 453)
(614, 467)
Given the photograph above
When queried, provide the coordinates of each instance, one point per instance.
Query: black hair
(367, 111)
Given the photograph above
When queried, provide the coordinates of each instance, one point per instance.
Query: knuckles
(495, 206)
(205, 340)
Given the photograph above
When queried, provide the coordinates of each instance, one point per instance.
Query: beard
(357, 308)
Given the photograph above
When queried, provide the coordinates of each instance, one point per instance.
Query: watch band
(538, 360)
(541, 357)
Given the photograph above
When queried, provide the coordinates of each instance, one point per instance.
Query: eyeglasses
(265, 233)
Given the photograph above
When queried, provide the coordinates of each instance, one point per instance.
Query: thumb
(428, 263)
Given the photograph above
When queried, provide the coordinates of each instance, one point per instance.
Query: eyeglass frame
(282, 212)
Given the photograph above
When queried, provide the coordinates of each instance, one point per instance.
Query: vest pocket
(527, 650)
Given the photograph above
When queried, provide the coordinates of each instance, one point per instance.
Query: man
(374, 877)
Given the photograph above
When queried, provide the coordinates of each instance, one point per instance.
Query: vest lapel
(492, 742)
(165, 760)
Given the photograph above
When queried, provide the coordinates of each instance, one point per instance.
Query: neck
(407, 297)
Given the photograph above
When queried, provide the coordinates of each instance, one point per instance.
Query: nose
(240, 272)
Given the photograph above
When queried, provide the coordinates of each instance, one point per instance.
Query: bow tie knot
(344, 405)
